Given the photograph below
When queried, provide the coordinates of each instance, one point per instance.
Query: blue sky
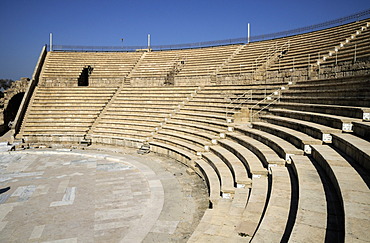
(25, 24)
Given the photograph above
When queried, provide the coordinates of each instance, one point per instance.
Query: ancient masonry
(261, 142)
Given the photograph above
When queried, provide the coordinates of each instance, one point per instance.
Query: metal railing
(273, 98)
(237, 102)
(332, 23)
(269, 54)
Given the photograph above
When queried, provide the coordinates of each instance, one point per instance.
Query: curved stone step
(312, 129)
(276, 217)
(236, 166)
(310, 225)
(338, 122)
(279, 145)
(264, 153)
(354, 147)
(299, 139)
(351, 188)
(250, 160)
(224, 173)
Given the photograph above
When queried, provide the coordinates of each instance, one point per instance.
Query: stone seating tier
(312, 206)
(239, 161)
(312, 129)
(347, 183)
(67, 111)
(348, 111)
(362, 129)
(262, 186)
(284, 148)
(273, 225)
(299, 139)
(336, 101)
(338, 122)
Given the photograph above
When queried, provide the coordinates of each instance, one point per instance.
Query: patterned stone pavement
(97, 196)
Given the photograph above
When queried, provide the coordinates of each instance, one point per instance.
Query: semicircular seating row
(110, 68)
(289, 176)
(300, 172)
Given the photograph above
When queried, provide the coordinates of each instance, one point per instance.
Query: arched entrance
(83, 80)
(11, 109)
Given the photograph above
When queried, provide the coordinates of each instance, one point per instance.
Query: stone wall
(342, 69)
(17, 87)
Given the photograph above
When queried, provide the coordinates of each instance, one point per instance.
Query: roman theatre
(246, 140)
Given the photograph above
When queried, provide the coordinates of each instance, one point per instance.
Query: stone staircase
(225, 63)
(341, 45)
(266, 59)
(127, 81)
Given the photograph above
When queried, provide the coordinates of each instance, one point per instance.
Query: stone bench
(61, 118)
(330, 85)
(212, 110)
(236, 166)
(133, 128)
(143, 107)
(202, 121)
(264, 153)
(338, 122)
(273, 224)
(128, 124)
(205, 138)
(122, 133)
(66, 105)
(349, 92)
(352, 190)
(201, 115)
(282, 147)
(155, 89)
(187, 136)
(60, 124)
(83, 114)
(218, 224)
(61, 137)
(153, 98)
(111, 139)
(355, 147)
(127, 113)
(145, 100)
(174, 152)
(348, 111)
(55, 130)
(72, 98)
(299, 139)
(139, 118)
(251, 162)
(254, 210)
(193, 126)
(224, 173)
(362, 129)
(178, 142)
(342, 101)
(211, 178)
(312, 129)
(344, 80)
(157, 93)
(311, 219)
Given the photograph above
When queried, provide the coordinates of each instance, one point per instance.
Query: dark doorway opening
(83, 80)
(11, 110)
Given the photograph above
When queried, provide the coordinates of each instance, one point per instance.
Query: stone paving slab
(97, 196)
